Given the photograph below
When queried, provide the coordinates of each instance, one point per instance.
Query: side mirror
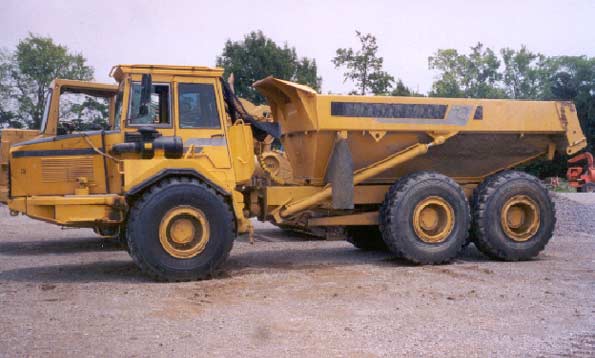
(146, 88)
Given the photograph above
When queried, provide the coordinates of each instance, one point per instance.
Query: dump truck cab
(164, 121)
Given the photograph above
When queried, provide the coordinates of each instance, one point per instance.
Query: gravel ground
(575, 213)
(67, 293)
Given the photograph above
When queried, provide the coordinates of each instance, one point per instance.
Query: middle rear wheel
(367, 238)
(425, 218)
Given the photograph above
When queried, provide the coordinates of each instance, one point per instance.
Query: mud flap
(339, 174)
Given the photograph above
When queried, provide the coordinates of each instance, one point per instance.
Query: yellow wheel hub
(433, 219)
(520, 218)
(184, 232)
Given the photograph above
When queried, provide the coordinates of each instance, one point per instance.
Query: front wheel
(180, 230)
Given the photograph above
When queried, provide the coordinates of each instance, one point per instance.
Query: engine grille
(66, 169)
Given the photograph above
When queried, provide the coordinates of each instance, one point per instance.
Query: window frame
(46, 111)
(215, 102)
(169, 109)
(118, 111)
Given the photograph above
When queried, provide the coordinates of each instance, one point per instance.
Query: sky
(109, 32)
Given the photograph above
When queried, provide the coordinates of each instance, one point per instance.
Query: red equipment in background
(582, 178)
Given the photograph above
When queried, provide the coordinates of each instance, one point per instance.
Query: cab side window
(198, 106)
(159, 112)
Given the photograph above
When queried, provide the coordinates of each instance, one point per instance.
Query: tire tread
(482, 195)
(395, 194)
(137, 207)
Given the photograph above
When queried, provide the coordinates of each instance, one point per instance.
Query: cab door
(200, 119)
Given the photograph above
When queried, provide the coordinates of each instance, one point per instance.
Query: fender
(243, 225)
(187, 172)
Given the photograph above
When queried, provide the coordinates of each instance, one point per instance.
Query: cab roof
(118, 71)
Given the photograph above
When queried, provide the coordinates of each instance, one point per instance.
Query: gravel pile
(576, 215)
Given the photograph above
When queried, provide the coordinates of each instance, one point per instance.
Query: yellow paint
(242, 152)
(520, 218)
(75, 210)
(8, 137)
(138, 171)
(433, 219)
(363, 194)
(184, 232)
(367, 218)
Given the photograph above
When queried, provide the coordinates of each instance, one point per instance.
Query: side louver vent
(66, 169)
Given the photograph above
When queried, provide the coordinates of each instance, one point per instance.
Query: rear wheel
(180, 230)
(425, 218)
(514, 217)
(367, 238)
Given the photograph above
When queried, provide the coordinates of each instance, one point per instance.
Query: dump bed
(491, 135)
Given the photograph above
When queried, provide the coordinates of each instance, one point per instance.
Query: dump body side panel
(492, 134)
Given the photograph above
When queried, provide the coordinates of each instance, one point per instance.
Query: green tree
(84, 112)
(450, 65)
(474, 76)
(7, 103)
(257, 56)
(524, 73)
(401, 90)
(364, 67)
(35, 63)
(572, 78)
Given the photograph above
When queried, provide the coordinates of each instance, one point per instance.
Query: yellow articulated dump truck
(175, 175)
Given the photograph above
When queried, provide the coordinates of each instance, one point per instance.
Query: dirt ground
(67, 293)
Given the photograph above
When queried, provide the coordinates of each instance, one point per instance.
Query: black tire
(397, 211)
(122, 238)
(489, 200)
(587, 188)
(367, 238)
(145, 220)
